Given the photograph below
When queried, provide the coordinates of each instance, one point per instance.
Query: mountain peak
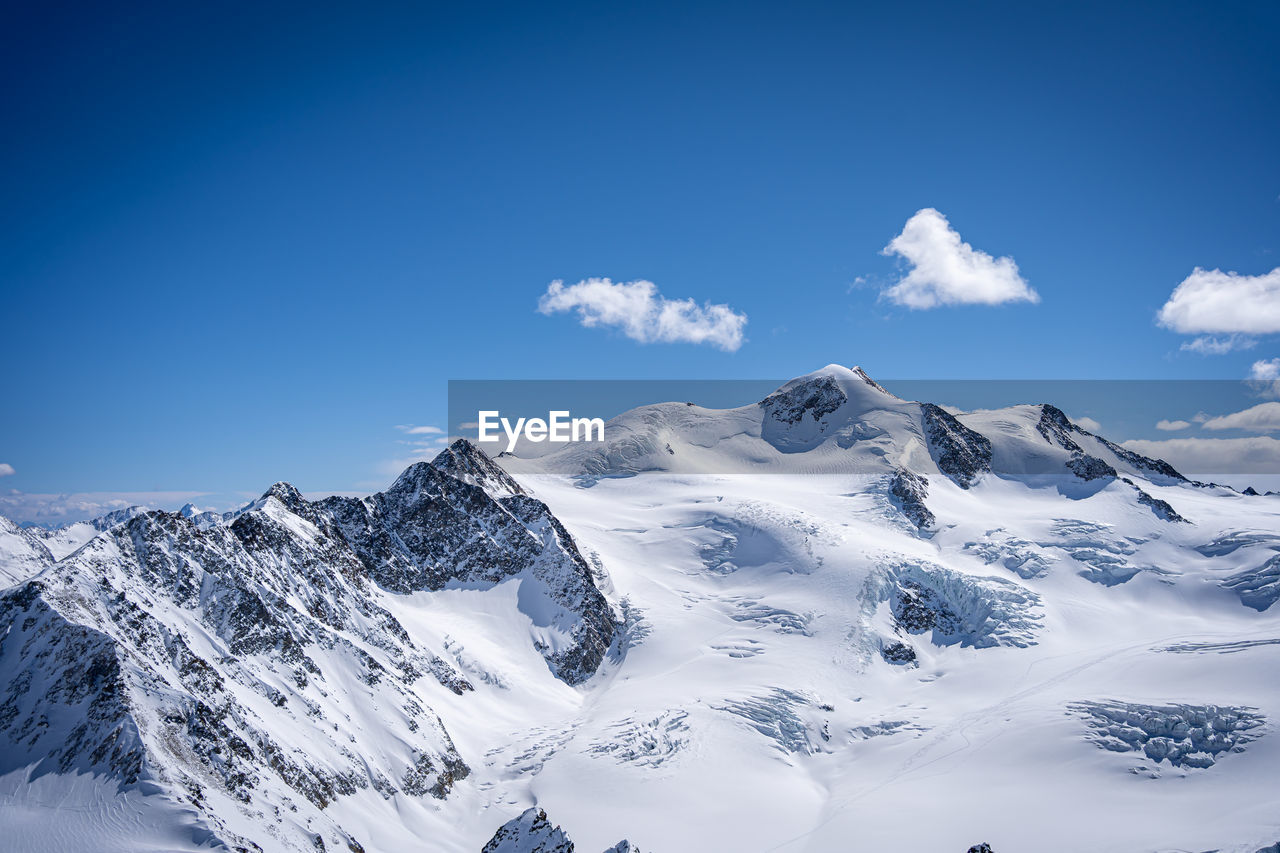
(464, 461)
(286, 494)
(862, 374)
(852, 380)
(826, 391)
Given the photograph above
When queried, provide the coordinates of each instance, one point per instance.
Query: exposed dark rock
(1162, 509)
(817, 398)
(908, 491)
(1143, 463)
(918, 609)
(957, 608)
(1088, 467)
(462, 460)
(960, 453)
(103, 672)
(1057, 428)
(862, 374)
(898, 653)
(531, 832)
(431, 528)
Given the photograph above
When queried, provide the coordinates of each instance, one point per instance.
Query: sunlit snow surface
(808, 740)
(1065, 641)
(754, 711)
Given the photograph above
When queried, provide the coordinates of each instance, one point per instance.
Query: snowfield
(835, 620)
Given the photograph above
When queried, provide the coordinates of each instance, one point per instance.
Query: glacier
(834, 619)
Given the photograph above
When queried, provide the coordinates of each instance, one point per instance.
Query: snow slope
(835, 620)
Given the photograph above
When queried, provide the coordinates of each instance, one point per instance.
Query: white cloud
(1088, 424)
(1213, 345)
(645, 315)
(1265, 417)
(410, 429)
(1209, 457)
(1213, 302)
(6, 469)
(945, 270)
(1172, 426)
(1265, 370)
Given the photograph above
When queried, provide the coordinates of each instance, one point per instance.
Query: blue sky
(245, 245)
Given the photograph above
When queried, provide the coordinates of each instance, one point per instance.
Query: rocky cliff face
(960, 453)
(460, 518)
(248, 663)
(532, 832)
(251, 662)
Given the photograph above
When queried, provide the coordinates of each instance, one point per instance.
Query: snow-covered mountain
(838, 420)
(830, 620)
(248, 672)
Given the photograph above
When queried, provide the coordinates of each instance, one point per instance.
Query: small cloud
(1088, 424)
(410, 429)
(645, 315)
(945, 270)
(6, 470)
(1216, 303)
(1214, 345)
(1264, 370)
(1172, 426)
(1264, 417)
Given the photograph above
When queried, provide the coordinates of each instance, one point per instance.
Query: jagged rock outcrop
(908, 491)
(1088, 467)
(960, 453)
(1057, 428)
(219, 663)
(955, 608)
(251, 661)
(1162, 509)
(1143, 463)
(898, 652)
(816, 398)
(463, 461)
(431, 528)
(532, 832)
